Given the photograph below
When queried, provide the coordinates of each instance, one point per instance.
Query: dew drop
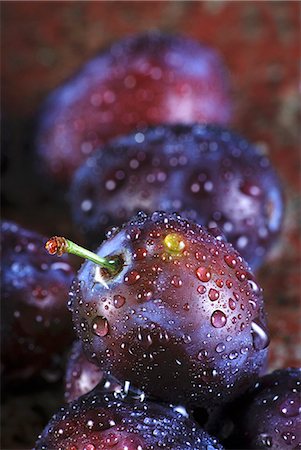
(229, 284)
(220, 347)
(219, 283)
(134, 234)
(232, 304)
(112, 440)
(241, 276)
(288, 437)
(218, 319)
(39, 293)
(86, 205)
(174, 243)
(140, 253)
(201, 289)
(230, 261)
(259, 335)
(213, 294)
(233, 355)
(291, 407)
(186, 338)
(203, 274)
(254, 286)
(131, 277)
(200, 257)
(266, 440)
(250, 189)
(203, 354)
(100, 326)
(118, 301)
(176, 281)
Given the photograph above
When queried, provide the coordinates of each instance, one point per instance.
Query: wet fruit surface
(141, 80)
(259, 42)
(269, 415)
(81, 375)
(35, 324)
(103, 421)
(210, 174)
(174, 334)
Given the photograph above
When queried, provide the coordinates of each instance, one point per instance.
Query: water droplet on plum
(203, 274)
(100, 326)
(218, 319)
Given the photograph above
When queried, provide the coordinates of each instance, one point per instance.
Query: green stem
(59, 245)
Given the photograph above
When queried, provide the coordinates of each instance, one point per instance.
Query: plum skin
(145, 79)
(268, 416)
(186, 328)
(81, 375)
(101, 420)
(207, 173)
(36, 326)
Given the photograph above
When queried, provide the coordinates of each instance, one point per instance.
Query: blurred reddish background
(43, 43)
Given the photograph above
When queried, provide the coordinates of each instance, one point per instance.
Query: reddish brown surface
(44, 42)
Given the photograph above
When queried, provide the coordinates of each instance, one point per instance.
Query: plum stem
(58, 245)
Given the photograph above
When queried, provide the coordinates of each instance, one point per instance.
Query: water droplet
(232, 304)
(86, 205)
(241, 276)
(195, 188)
(39, 293)
(244, 350)
(249, 188)
(242, 242)
(100, 326)
(266, 439)
(90, 424)
(218, 319)
(203, 274)
(134, 234)
(139, 137)
(118, 301)
(260, 335)
(254, 286)
(208, 186)
(220, 347)
(186, 338)
(213, 294)
(131, 277)
(291, 407)
(112, 440)
(219, 283)
(186, 307)
(203, 354)
(176, 281)
(201, 289)
(174, 243)
(229, 284)
(230, 261)
(140, 253)
(288, 437)
(200, 257)
(145, 295)
(233, 355)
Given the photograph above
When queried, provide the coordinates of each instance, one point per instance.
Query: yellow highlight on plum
(174, 243)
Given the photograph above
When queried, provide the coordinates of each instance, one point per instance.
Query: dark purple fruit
(146, 79)
(81, 375)
(268, 417)
(208, 173)
(35, 322)
(103, 421)
(170, 309)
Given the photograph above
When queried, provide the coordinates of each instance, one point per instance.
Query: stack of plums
(172, 336)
